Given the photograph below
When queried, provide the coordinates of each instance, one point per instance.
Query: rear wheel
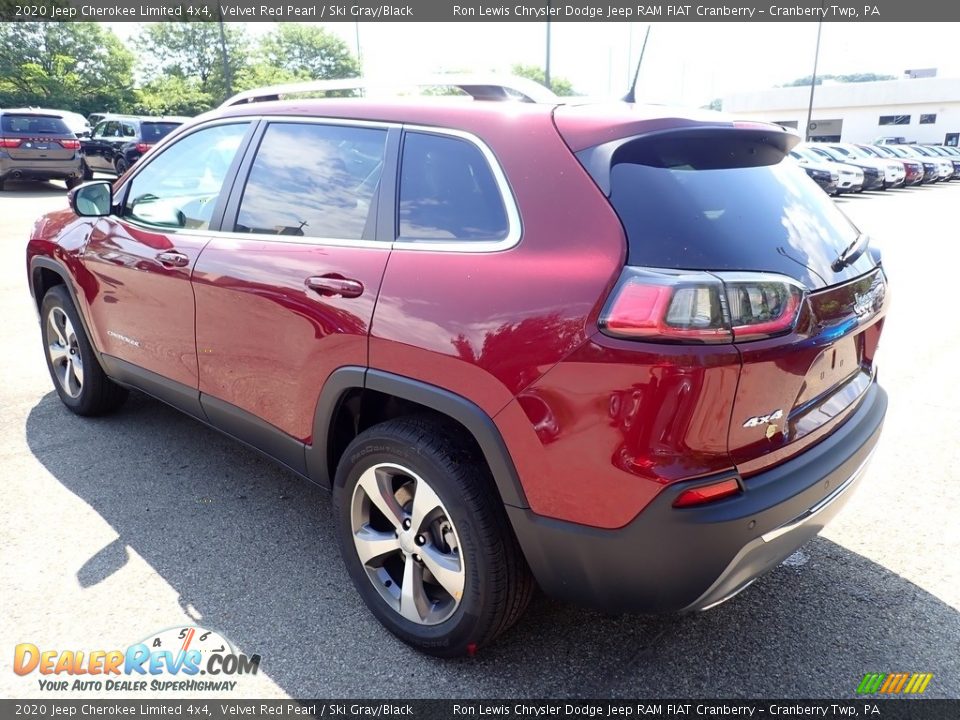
(76, 373)
(122, 166)
(87, 172)
(72, 182)
(425, 538)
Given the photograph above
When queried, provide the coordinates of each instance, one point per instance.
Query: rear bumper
(670, 559)
(11, 168)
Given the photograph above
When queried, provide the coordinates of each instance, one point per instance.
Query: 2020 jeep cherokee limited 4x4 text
(625, 354)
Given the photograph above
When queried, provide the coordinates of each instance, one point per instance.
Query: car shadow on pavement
(32, 189)
(252, 549)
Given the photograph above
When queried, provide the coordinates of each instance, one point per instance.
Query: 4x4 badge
(763, 419)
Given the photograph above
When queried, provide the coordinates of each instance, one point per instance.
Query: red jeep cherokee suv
(623, 353)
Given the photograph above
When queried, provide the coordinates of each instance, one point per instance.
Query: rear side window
(34, 124)
(314, 181)
(447, 191)
(719, 203)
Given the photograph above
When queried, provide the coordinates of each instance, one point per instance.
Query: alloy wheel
(64, 352)
(407, 544)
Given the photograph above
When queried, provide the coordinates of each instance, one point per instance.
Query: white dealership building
(923, 110)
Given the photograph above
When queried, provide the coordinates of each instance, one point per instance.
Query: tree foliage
(559, 85)
(192, 51)
(852, 78)
(77, 66)
(308, 52)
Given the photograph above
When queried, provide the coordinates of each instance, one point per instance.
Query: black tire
(1, 185)
(97, 393)
(497, 584)
(87, 172)
(121, 166)
(72, 182)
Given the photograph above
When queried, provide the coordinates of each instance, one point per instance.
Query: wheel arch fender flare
(458, 408)
(42, 262)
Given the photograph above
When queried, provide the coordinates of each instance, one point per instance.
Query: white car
(893, 172)
(851, 178)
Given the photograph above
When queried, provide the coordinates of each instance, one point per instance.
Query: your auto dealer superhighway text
(540, 710)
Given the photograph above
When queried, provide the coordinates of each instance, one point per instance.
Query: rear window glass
(447, 191)
(41, 124)
(693, 213)
(151, 132)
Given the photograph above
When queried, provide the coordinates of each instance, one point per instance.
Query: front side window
(929, 119)
(313, 180)
(179, 187)
(447, 191)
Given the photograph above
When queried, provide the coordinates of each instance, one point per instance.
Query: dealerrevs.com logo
(184, 659)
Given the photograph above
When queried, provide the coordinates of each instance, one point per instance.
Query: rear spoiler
(696, 147)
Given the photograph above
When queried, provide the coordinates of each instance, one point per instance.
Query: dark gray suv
(36, 145)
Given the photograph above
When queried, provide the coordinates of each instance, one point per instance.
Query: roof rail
(479, 87)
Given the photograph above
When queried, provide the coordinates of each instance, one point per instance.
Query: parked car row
(45, 144)
(852, 168)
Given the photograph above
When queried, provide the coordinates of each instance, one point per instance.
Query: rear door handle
(334, 285)
(173, 258)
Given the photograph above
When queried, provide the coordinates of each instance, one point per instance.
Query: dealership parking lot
(116, 528)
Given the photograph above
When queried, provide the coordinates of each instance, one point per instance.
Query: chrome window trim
(514, 226)
(514, 232)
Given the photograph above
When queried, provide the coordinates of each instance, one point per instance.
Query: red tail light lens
(683, 306)
(143, 147)
(10, 142)
(666, 306)
(70, 144)
(707, 493)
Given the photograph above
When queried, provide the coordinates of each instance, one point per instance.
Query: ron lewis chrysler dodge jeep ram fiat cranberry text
(621, 352)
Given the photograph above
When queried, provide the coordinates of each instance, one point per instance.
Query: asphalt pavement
(118, 527)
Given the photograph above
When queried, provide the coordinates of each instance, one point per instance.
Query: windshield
(855, 153)
(829, 153)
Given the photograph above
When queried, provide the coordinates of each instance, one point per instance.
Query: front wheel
(425, 538)
(76, 373)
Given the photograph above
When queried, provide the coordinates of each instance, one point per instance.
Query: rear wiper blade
(850, 254)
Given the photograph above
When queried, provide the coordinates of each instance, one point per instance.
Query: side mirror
(92, 199)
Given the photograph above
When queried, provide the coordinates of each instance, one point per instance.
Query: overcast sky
(685, 63)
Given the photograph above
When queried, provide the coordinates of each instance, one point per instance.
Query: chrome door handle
(334, 285)
(173, 258)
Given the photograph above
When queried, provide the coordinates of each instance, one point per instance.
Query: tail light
(707, 493)
(143, 147)
(701, 307)
(70, 144)
(10, 142)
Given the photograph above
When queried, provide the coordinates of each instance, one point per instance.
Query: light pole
(546, 65)
(813, 80)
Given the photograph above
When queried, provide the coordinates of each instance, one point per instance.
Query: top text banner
(477, 11)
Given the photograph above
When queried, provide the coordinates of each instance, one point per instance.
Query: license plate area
(834, 365)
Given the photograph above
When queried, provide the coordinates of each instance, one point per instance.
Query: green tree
(191, 51)
(559, 85)
(715, 104)
(852, 78)
(307, 52)
(172, 95)
(76, 66)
